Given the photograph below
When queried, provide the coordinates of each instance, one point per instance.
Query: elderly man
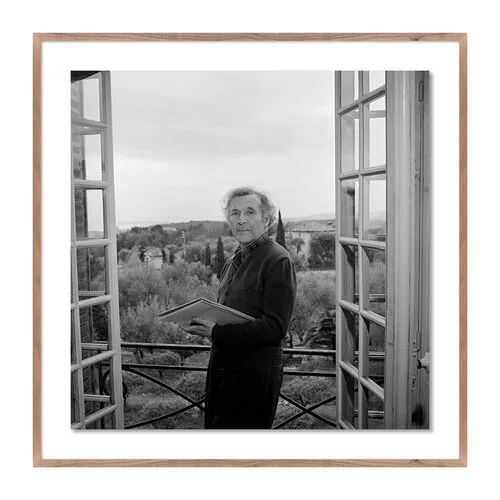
(245, 371)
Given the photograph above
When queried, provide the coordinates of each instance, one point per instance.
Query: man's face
(245, 218)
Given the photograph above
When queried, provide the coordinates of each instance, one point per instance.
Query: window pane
(71, 274)
(349, 137)
(375, 79)
(89, 213)
(349, 397)
(375, 134)
(375, 409)
(72, 340)
(87, 157)
(349, 208)
(85, 97)
(375, 208)
(349, 273)
(376, 278)
(94, 328)
(96, 381)
(75, 409)
(92, 276)
(376, 349)
(348, 87)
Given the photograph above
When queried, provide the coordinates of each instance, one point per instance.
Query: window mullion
(76, 311)
(112, 268)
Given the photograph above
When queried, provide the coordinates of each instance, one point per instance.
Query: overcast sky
(182, 139)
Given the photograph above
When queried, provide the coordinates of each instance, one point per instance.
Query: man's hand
(199, 326)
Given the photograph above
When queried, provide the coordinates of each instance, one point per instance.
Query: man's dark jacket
(246, 363)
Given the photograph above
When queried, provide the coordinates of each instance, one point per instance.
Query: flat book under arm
(207, 309)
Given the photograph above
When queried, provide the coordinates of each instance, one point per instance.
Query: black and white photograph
(251, 250)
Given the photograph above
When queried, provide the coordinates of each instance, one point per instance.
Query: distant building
(305, 231)
(153, 257)
(169, 229)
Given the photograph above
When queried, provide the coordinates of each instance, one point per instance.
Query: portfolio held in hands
(207, 309)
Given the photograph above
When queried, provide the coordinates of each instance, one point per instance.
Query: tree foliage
(322, 251)
(280, 232)
(208, 256)
(220, 259)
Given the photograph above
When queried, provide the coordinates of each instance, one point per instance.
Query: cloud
(182, 139)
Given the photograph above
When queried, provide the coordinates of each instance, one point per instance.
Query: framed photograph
(313, 184)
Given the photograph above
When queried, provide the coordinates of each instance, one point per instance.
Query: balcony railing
(142, 369)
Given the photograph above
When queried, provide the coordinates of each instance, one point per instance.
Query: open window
(96, 380)
(382, 249)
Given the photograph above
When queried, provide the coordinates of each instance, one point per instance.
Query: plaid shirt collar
(246, 250)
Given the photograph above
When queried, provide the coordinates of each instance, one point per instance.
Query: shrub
(193, 384)
(315, 296)
(309, 390)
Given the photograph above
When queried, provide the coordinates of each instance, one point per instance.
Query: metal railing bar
(317, 373)
(299, 414)
(310, 352)
(180, 347)
(166, 386)
(162, 417)
(200, 347)
(165, 367)
(306, 410)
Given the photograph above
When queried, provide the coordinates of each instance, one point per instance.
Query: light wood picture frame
(39, 39)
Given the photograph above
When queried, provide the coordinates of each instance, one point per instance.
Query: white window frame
(112, 354)
(407, 255)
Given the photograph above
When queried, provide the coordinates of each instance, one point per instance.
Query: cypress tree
(280, 232)
(208, 256)
(219, 258)
(142, 253)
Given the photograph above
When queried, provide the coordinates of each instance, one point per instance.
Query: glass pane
(92, 277)
(349, 273)
(107, 422)
(375, 134)
(376, 349)
(87, 156)
(349, 330)
(375, 79)
(375, 208)
(349, 397)
(96, 381)
(75, 408)
(85, 97)
(71, 279)
(348, 87)
(376, 278)
(375, 411)
(72, 340)
(349, 193)
(94, 328)
(89, 213)
(349, 137)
